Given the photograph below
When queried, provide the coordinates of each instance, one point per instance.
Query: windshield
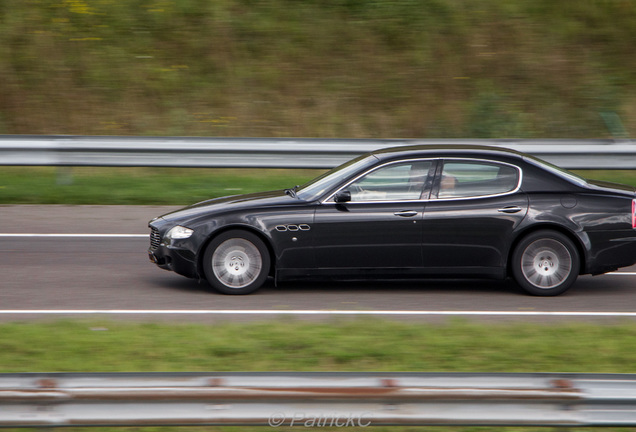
(557, 170)
(332, 178)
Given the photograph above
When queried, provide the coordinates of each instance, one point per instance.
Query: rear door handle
(406, 213)
(510, 209)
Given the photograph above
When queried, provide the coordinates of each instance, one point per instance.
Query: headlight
(179, 232)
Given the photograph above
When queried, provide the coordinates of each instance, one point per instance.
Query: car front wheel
(236, 262)
(545, 263)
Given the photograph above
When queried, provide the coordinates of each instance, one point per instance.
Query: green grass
(169, 186)
(343, 345)
(318, 68)
(627, 177)
(290, 345)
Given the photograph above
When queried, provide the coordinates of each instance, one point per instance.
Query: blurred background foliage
(319, 68)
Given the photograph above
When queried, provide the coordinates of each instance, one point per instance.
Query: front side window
(462, 179)
(395, 182)
(320, 185)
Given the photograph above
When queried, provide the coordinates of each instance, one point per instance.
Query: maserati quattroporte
(409, 212)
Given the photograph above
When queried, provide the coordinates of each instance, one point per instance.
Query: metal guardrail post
(316, 399)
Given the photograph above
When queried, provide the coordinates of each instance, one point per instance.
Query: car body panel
(471, 236)
(369, 235)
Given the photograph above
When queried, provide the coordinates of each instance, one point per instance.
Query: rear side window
(463, 179)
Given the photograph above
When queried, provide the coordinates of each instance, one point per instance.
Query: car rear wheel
(236, 262)
(545, 263)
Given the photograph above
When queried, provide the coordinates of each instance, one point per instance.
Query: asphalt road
(87, 275)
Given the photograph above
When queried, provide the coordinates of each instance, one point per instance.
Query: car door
(469, 222)
(377, 222)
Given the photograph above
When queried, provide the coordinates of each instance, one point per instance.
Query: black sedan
(414, 212)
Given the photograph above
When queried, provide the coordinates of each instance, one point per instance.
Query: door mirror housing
(342, 196)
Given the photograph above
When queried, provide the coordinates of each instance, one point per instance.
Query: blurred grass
(318, 68)
(336, 345)
(169, 186)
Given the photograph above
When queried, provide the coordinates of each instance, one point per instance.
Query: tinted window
(396, 182)
(563, 173)
(462, 179)
(322, 184)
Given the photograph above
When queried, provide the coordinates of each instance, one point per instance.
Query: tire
(236, 262)
(546, 263)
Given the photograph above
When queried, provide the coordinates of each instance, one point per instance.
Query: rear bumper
(612, 254)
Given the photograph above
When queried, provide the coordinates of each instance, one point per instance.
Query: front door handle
(406, 213)
(510, 209)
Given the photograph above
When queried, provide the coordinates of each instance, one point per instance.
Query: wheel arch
(578, 243)
(247, 228)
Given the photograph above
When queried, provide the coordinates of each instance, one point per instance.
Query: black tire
(236, 262)
(546, 263)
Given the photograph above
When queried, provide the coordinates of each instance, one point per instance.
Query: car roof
(445, 150)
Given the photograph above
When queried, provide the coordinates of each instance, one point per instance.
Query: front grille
(155, 239)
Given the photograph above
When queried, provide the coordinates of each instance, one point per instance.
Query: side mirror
(342, 196)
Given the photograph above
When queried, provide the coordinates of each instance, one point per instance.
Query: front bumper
(178, 259)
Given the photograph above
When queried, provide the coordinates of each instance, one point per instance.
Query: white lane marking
(76, 235)
(310, 312)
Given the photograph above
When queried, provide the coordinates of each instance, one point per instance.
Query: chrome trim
(518, 168)
(476, 197)
(406, 213)
(510, 209)
(515, 190)
(155, 239)
(293, 227)
(378, 202)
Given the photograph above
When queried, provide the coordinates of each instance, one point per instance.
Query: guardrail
(316, 399)
(276, 152)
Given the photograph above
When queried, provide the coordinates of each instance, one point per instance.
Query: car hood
(235, 202)
(613, 187)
